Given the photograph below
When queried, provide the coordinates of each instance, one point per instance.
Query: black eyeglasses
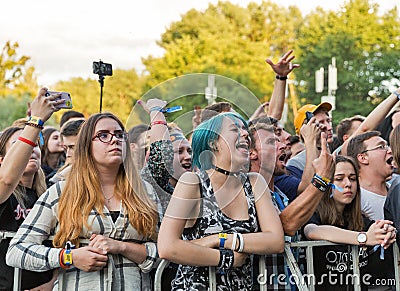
(383, 147)
(106, 136)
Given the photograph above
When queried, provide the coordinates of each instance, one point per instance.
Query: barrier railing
(294, 267)
(290, 259)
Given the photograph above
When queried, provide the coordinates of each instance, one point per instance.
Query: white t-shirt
(372, 204)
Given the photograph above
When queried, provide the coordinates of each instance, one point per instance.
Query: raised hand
(44, 106)
(284, 66)
(324, 165)
(152, 103)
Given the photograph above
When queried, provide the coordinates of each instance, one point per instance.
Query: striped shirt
(26, 250)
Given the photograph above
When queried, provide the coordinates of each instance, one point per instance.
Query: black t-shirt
(333, 265)
(392, 206)
(12, 214)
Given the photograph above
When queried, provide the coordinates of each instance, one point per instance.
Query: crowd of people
(115, 201)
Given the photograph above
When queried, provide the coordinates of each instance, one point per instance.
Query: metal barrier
(294, 267)
(290, 259)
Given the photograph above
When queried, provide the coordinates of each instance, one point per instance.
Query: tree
(16, 77)
(366, 56)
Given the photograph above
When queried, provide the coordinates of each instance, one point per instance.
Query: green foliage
(365, 49)
(16, 108)
(16, 77)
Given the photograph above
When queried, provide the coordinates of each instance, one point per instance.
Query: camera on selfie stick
(102, 69)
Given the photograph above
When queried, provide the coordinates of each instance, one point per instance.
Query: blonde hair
(81, 192)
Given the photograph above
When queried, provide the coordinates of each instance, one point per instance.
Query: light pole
(211, 90)
(332, 83)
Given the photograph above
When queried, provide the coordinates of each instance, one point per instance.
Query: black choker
(225, 172)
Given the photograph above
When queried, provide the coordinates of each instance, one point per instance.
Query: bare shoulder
(257, 180)
(187, 186)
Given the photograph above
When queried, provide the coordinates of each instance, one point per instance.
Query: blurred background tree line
(234, 41)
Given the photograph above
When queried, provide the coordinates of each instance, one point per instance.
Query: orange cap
(301, 113)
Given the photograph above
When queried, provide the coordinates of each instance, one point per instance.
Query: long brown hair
(351, 213)
(81, 192)
(39, 183)
(45, 150)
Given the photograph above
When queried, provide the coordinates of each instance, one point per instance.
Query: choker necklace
(225, 172)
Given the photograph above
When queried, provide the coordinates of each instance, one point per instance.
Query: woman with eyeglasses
(104, 201)
(22, 181)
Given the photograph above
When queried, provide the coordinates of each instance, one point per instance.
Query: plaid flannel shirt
(26, 250)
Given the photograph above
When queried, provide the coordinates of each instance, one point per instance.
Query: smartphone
(309, 115)
(65, 96)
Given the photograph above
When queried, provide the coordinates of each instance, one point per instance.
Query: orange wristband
(61, 259)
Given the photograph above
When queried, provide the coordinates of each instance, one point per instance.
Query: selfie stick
(101, 81)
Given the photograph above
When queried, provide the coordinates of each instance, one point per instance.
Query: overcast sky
(63, 38)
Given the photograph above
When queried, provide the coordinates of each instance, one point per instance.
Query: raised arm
(159, 167)
(14, 162)
(374, 118)
(282, 68)
(300, 210)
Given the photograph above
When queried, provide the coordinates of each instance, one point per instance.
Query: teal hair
(204, 137)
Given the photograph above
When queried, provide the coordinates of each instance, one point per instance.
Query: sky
(64, 38)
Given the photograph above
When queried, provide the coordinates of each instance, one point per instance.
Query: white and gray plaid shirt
(26, 250)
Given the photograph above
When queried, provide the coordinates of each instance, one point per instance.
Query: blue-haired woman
(227, 218)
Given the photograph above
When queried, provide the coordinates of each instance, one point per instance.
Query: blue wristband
(222, 238)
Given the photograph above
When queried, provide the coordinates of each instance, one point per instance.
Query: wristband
(226, 258)
(67, 254)
(27, 141)
(241, 243)
(282, 78)
(234, 239)
(397, 94)
(222, 237)
(158, 122)
(34, 125)
(320, 183)
(326, 180)
(61, 260)
(35, 120)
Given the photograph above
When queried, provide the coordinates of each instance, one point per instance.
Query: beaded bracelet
(226, 257)
(34, 125)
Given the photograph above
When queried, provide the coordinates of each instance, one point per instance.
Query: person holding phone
(22, 181)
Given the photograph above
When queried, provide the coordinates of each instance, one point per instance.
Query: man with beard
(267, 158)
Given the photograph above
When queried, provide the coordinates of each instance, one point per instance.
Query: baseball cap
(301, 113)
